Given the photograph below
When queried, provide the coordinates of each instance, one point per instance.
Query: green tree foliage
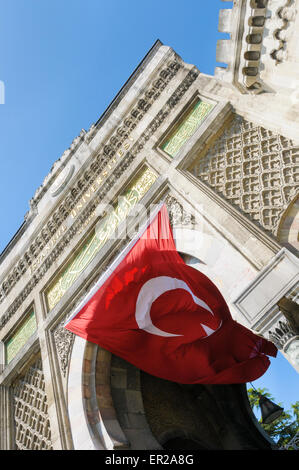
(295, 408)
(282, 429)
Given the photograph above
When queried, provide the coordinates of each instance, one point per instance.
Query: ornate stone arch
(93, 420)
(105, 403)
(113, 405)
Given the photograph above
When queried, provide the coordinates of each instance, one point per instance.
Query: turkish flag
(168, 318)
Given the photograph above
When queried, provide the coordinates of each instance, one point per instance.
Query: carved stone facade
(230, 188)
(246, 21)
(32, 426)
(254, 169)
(281, 26)
(55, 224)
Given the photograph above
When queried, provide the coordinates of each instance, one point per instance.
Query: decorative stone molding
(293, 444)
(64, 340)
(78, 392)
(257, 304)
(286, 336)
(262, 36)
(73, 196)
(177, 214)
(109, 224)
(287, 232)
(281, 333)
(128, 404)
(280, 27)
(293, 294)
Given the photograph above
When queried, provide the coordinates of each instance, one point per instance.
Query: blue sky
(62, 62)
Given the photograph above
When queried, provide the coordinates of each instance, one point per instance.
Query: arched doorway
(114, 405)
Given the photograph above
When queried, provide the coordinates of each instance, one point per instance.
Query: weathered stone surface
(96, 404)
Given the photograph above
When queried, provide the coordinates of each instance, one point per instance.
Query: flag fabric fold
(168, 318)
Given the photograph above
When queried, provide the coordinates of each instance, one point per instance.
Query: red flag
(167, 318)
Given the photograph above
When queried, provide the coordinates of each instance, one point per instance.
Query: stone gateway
(222, 152)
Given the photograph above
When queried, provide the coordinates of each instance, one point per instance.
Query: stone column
(285, 335)
(291, 351)
(2, 356)
(6, 424)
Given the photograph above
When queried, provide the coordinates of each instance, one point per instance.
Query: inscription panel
(98, 239)
(187, 128)
(114, 150)
(20, 337)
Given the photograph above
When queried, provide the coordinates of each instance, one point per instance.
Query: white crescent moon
(150, 291)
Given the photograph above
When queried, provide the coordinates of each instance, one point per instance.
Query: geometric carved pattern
(96, 166)
(254, 168)
(32, 431)
(20, 337)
